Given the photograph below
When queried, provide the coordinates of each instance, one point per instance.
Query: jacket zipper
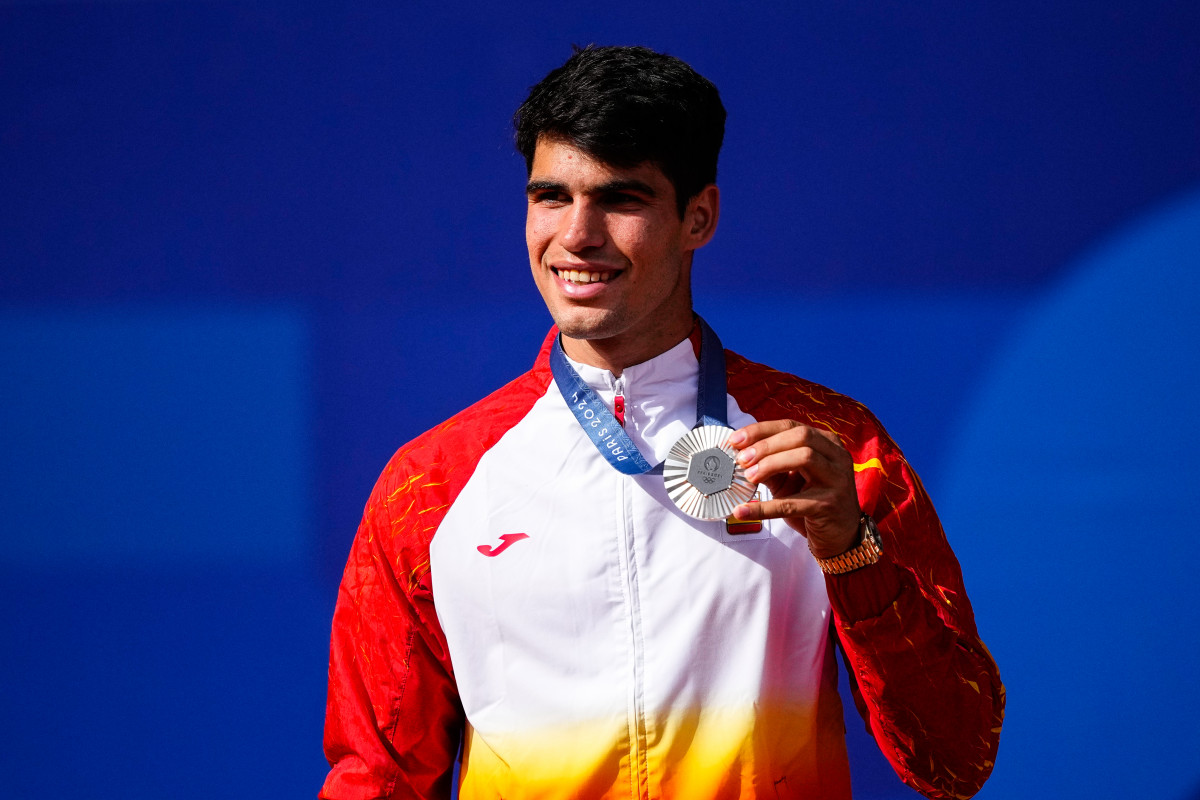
(638, 764)
(619, 400)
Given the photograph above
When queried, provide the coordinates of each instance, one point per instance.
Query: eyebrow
(627, 185)
(542, 186)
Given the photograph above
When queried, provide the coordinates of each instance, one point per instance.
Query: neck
(617, 353)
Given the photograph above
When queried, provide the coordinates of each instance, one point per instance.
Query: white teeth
(583, 276)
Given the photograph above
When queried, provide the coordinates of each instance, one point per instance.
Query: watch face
(702, 477)
(870, 530)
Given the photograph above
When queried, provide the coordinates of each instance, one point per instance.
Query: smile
(583, 276)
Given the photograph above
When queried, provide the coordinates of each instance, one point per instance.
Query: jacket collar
(660, 396)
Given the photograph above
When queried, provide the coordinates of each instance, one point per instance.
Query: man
(530, 585)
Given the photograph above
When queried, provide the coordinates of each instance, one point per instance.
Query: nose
(583, 227)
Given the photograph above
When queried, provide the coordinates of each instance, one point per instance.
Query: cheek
(644, 242)
(539, 232)
(634, 241)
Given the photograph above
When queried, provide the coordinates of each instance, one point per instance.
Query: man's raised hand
(811, 478)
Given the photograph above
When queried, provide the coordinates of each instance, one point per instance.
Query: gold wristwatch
(867, 552)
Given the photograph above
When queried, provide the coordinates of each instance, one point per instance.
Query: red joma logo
(506, 541)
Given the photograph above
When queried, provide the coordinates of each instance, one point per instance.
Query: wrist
(866, 549)
(826, 546)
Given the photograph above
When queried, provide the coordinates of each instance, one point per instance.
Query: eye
(622, 199)
(550, 197)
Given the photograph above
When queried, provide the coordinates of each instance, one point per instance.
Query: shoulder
(766, 393)
(422, 479)
(431, 469)
(769, 394)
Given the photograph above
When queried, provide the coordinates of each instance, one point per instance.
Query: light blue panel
(139, 435)
(1076, 476)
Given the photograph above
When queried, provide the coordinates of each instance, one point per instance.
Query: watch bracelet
(865, 553)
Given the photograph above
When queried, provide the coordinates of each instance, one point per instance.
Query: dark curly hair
(625, 106)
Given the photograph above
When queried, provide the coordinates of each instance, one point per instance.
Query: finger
(797, 435)
(779, 508)
(756, 431)
(813, 465)
(784, 485)
(833, 437)
(792, 438)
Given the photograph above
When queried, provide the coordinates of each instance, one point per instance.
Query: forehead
(562, 162)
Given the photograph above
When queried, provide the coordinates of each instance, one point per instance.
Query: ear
(700, 217)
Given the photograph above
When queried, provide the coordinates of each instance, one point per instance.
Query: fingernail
(745, 456)
(752, 473)
(736, 438)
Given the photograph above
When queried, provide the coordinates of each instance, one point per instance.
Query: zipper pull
(619, 401)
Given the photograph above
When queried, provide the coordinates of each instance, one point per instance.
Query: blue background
(246, 251)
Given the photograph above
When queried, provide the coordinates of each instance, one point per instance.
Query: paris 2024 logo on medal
(711, 471)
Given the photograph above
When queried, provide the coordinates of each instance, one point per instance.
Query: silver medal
(702, 477)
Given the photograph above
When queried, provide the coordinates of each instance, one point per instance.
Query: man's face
(608, 250)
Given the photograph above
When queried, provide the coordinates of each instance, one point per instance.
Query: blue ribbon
(602, 427)
(711, 408)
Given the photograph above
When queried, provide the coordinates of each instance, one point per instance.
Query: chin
(584, 332)
(589, 324)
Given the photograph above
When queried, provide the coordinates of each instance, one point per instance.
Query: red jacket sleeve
(393, 719)
(924, 682)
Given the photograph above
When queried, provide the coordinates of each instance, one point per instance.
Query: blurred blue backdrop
(240, 244)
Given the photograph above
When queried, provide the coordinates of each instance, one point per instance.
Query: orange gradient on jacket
(714, 754)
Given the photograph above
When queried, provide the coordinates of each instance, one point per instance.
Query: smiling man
(626, 574)
(611, 253)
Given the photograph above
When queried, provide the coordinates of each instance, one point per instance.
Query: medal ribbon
(601, 426)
